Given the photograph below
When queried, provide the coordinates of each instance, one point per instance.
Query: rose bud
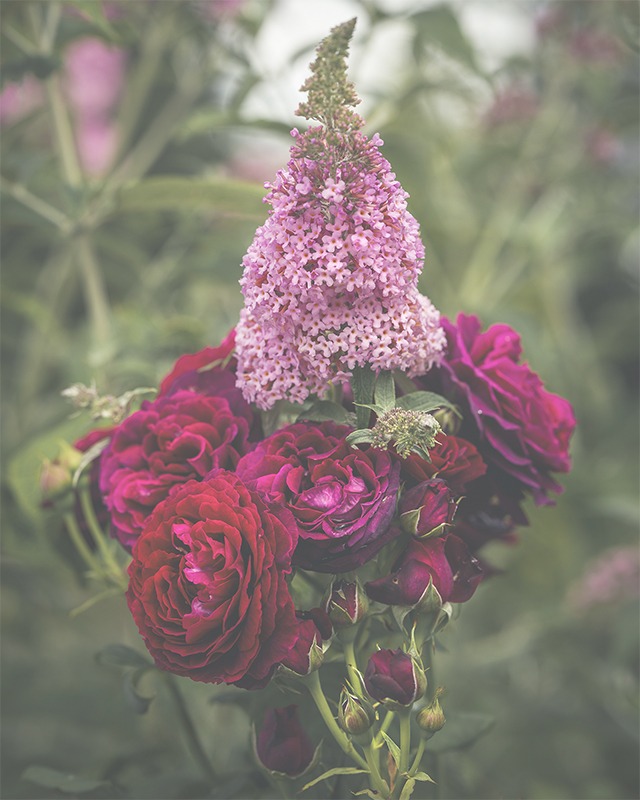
(395, 678)
(56, 476)
(423, 562)
(346, 603)
(282, 745)
(355, 714)
(307, 654)
(431, 718)
(427, 509)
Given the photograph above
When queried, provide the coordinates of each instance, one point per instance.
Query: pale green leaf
(334, 771)
(63, 782)
(183, 194)
(422, 776)
(362, 383)
(393, 747)
(407, 789)
(385, 391)
(423, 401)
(323, 410)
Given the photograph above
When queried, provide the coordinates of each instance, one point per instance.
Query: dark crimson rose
(212, 371)
(208, 587)
(343, 499)
(518, 425)
(393, 677)
(453, 459)
(282, 744)
(177, 437)
(426, 507)
(422, 561)
(346, 603)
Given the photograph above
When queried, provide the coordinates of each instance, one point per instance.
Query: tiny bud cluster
(405, 430)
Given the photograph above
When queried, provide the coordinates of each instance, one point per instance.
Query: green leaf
(137, 702)
(362, 383)
(393, 747)
(334, 771)
(361, 436)
(462, 730)
(438, 26)
(377, 409)
(423, 401)
(407, 789)
(121, 655)
(182, 194)
(422, 776)
(385, 391)
(88, 457)
(327, 410)
(368, 792)
(63, 782)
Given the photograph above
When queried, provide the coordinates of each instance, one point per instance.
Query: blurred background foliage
(132, 167)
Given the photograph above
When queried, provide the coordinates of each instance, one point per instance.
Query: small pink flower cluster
(330, 280)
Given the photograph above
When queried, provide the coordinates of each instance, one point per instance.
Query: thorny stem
(352, 665)
(115, 570)
(405, 740)
(416, 761)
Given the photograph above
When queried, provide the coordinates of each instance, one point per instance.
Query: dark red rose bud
(346, 603)
(282, 745)
(395, 678)
(307, 654)
(423, 561)
(426, 509)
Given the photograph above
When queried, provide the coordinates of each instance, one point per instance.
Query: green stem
(315, 689)
(373, 760)
(352, 665)
(405, 740)
(386, 724)
(193, 742)
(98, 536)
(81, 546)
(94, 289)
(36, 204)
(416, 761)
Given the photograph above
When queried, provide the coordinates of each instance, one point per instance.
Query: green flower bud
(431, 718)
(355, 714)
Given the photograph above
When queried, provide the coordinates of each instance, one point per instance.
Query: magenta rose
(342, 499)
(282, 744)
(454, 459)
(212, 371)
(208, 588)
(177, 437)
(519, 426)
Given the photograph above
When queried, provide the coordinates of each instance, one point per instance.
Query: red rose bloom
(520, 427)
(342, 499)
(180, 436)
(453, 459)
(208, 587)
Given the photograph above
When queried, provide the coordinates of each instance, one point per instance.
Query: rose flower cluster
(344, 428)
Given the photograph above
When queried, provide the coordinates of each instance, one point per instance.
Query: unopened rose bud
(355, 714)
(55, 479)
(431, 718)
(427, 509)
(281, 744)
(346, 603)
(395, 678)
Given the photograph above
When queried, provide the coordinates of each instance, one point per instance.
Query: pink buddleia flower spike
(330, 279)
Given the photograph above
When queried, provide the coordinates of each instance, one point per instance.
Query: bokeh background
(136, 137)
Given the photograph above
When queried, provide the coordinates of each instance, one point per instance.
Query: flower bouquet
(301, 509)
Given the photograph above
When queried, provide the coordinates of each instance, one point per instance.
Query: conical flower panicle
(330, 279)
